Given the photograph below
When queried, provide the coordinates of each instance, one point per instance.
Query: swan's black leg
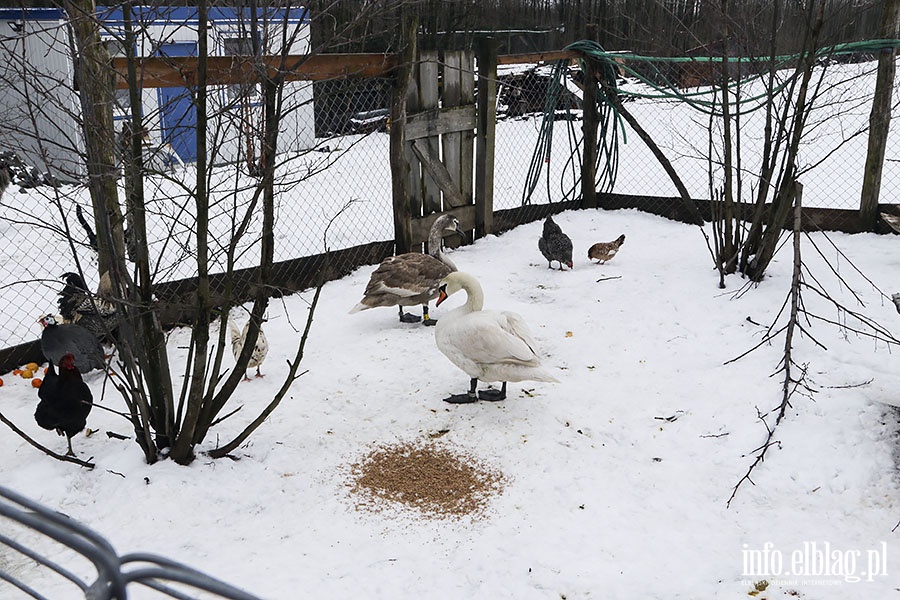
(426, 320)
(466, 398)
(409, 317)
(493, 395)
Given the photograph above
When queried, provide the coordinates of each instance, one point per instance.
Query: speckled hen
(555, 245)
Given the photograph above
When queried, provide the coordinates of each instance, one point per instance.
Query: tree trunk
(399, 165)
(727, 258)
(879, 120)
(94, 81)
(784, 198)
(152, 346)
(183, 447)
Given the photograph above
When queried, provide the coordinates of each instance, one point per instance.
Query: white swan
(489, 345)
(411, 279)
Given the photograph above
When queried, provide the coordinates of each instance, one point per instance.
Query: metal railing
(65, 549)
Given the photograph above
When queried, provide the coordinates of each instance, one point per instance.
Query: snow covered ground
(617, 477)
(605, 498)
(351, 198)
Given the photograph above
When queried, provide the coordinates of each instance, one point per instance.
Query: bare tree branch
(48, 452)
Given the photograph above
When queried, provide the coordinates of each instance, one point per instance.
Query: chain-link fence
(335, 193)
(831, 158)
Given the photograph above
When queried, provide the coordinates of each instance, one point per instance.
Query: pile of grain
(431, 478)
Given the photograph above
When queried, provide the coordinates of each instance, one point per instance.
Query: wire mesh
(678, 105)
(333, 186)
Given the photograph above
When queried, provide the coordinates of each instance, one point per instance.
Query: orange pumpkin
(36, 382)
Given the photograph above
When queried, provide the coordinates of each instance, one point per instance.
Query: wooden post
(399, 164)
(879, 121)
(485, 136)
(589, 127)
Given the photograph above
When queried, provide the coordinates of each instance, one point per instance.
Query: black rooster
(555, 245)
(57, 340)
(96, 313)
(66, 401)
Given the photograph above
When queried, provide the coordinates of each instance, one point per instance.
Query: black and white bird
(260, 349)
(59, 339)
(95, 312)
(555, 245)
(896, 299)
(413, 278)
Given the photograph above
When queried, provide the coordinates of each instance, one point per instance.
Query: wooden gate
(436, 166)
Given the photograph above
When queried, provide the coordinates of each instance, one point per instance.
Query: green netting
(659, 86)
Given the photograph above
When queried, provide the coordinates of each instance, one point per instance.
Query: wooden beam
(438, 172)
(536, 57)
(157, 72)
(445, 120)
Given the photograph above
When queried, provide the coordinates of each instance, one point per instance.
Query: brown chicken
(606, 251)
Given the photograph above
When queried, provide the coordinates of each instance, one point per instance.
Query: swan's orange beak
(442, 295)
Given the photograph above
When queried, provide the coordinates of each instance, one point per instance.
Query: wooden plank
(228, 70)
(438, 171)
(444, 120)
(508, 219)
(16, 356)
(156, 72)
(485, 137)
(536, 57)
(814, 219)
(467, 137)
(428, 86)
(452, 142)
(421, 227)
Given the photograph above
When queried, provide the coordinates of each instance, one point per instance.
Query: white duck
(411, 279)
(260, 349)
(489, 345)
